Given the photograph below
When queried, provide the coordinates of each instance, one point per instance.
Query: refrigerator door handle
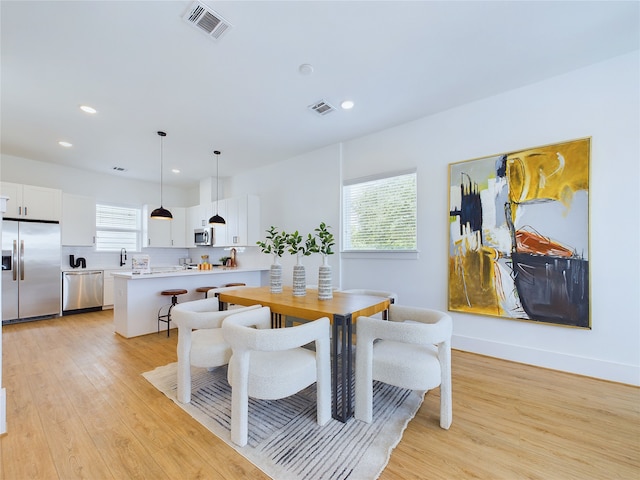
(14, 260)
(21, 259)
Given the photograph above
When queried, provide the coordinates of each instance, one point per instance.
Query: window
(117, 227)
(379, 213)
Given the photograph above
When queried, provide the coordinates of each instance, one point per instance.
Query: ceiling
(144, 68)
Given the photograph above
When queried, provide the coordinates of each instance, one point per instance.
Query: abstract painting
(519, 235)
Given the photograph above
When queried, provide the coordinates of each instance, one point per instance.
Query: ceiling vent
(206, 20)
(322, 107)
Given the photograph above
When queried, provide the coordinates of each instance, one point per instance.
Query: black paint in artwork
(470, 211)
(553, 289)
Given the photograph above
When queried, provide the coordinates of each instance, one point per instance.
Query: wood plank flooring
(78, 407)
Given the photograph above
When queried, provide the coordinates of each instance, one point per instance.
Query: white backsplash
(162, 257)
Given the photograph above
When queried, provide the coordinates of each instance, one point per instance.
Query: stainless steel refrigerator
(30, 270)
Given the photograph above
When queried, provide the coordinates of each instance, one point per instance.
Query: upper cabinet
(32, 203)
(242, 217)
(78, 225)
(243, 221)
(220, 231)
(165, 233)
(242, 228)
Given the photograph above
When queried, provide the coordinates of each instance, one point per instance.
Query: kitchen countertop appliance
(30, 270)
(82, 291)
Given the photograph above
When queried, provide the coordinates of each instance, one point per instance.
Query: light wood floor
(79, 408)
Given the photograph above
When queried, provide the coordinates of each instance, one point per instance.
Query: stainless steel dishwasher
(82, 291)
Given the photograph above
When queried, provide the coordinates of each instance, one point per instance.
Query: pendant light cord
(217, 179)
(162, 135)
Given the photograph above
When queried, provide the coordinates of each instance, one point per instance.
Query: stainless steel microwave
(203, 236)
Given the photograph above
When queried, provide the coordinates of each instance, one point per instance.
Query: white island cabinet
(137, 298)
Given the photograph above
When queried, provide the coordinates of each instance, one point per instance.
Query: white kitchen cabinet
(179, 227)
(78, 224)
(220, 231)
(107, 288)
(243, 223)
(242, 217)
(31, 202)
(165, 233)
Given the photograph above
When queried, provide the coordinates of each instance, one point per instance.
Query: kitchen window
(118, 227)
(380, 213)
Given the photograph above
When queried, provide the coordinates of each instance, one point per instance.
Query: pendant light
(217, 219)
(161, 213)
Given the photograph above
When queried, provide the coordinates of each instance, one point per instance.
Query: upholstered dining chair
(200, 341)
(392, 296)
(413, 350)
(270, 364)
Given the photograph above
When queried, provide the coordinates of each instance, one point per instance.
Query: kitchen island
(137, 297)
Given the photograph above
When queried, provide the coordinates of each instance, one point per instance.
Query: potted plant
(326, 241)
(274, 244)
(301, 248)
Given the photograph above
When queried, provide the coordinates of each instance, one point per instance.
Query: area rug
(285, 441)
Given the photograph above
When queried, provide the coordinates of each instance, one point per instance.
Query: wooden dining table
(342, 310)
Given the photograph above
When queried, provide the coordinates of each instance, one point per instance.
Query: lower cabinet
(107, 289)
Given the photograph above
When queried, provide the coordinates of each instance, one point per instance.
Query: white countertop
(179, 272)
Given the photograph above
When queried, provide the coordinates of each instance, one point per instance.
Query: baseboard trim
(589, 367)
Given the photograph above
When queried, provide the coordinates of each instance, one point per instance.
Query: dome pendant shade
(161, 213)
(217, 219)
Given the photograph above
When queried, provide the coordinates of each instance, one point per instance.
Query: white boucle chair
(392, 296)
(200, 341)
(413, 351)
(270, 364)
(214, 293)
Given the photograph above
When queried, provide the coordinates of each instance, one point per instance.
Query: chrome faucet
(123, 256)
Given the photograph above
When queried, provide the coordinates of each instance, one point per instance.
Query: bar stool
(174, 300)
(239, 284)
(204, 290)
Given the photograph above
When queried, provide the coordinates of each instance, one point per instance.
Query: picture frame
(519, 235)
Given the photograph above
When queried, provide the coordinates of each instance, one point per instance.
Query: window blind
(380, 213)
(117, 227)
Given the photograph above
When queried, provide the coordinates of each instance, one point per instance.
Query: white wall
(114, 188)
(297, 194)
(601, 101)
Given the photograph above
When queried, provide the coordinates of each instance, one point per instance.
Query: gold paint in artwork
(554, 172)
(472, 280)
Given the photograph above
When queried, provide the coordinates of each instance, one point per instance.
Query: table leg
(341, 368)
(276, 320)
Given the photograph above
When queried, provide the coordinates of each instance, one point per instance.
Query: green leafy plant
(326, 239)
(300, 246)
(275, 243)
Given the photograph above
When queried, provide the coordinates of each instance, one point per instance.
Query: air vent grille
(322, 107)
(206, 20)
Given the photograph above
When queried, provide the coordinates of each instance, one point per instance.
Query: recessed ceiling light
(347, 105)
(88, 109)
(65, 144)
(175, 170)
